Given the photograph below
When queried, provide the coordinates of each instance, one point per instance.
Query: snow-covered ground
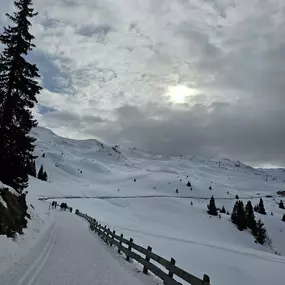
(134, 192)
(69, 254)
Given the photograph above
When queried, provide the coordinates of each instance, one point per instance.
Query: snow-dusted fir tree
(212, 209)
(261, 209)
(18, 90)
(260, 235)
(238, 216)
(250, 217)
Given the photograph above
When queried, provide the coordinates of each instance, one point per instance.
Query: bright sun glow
(179, 93)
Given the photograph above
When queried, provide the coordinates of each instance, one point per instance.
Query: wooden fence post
(206, 279)
(113, 234)
(104, 232)
(147, 259)
(108, 230)
(172, 261)
(119, 251)
(170, 274)
(130, 249)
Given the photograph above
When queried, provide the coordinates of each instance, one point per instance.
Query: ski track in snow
(28, 267)
(152, 196)
(69, 254)
(258, 256)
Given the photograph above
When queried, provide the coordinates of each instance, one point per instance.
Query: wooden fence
(144, 256)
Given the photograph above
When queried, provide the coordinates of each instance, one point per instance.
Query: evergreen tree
(281, 205)
(41, 173)
(212, 210)
(261, 209)
(18, 90)
(241, 219)
(45, 176)
(283, 218)
(188, 184)
(237, 197)
(249, 216)
(32, 168)
(238, 215)
(260, 235)
(234, 213)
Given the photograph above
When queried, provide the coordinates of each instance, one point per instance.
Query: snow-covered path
(70, 254)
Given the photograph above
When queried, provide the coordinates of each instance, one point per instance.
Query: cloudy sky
(198, 77)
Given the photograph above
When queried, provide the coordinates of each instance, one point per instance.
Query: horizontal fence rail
(144, 256)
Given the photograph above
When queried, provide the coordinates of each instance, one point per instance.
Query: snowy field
(134, 193)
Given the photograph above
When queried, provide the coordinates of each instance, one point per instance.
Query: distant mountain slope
(145, 195)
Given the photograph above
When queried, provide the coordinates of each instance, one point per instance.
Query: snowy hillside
(134, 192)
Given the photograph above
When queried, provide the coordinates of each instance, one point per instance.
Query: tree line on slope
(244, 218)
(42, 174)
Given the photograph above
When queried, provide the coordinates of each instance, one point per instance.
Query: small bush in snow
(223, 210)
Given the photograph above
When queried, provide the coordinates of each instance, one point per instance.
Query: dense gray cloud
(109, 67)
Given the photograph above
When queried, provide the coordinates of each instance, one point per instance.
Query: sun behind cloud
(180, 93)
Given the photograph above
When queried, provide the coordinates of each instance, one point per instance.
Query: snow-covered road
(70, 254)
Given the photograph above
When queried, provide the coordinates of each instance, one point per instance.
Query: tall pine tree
(234, 213)
(241, 219)
(250, 218)
(238, 215)
(18, 90)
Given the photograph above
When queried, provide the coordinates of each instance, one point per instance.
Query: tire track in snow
(27, 269)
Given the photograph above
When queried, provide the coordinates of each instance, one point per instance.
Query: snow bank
(11, 190)
(3, 202)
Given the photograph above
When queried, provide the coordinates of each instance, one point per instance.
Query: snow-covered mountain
(135, 192)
